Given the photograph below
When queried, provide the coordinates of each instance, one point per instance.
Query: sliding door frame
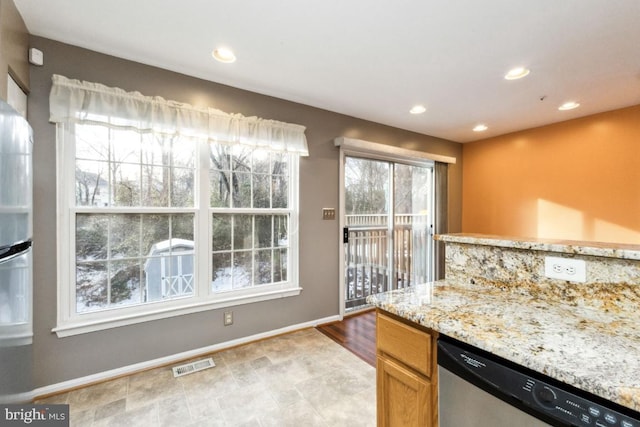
(374, 151)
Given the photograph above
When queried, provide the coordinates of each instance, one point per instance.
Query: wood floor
(357, 333)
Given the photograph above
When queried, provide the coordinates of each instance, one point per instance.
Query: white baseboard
(137, 367)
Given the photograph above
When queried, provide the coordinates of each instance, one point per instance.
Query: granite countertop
(594, 350)
(572, 247)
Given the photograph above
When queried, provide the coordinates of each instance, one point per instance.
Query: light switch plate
(572, 270)
(328, 213)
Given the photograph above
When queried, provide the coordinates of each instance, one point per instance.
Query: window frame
(69, 322)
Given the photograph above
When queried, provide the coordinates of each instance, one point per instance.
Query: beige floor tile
(245, 375)
(97, 395)
(286, 396)
(110, 409)
(299, 414)
(174, 411)
(204, 406)
(358, 410)
(331, 388)
(144, 416)
(81, 418)
(241, 354)
(215, 381)
(246, 405)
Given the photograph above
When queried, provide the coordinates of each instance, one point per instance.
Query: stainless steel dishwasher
(478, 389)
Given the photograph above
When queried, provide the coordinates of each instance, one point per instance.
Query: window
(156, 223)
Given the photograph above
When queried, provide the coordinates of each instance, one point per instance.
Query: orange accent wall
(578, 180)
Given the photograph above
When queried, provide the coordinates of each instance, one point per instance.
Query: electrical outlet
(228, 318)
(572, 270)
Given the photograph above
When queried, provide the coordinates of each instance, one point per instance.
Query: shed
(169, 270)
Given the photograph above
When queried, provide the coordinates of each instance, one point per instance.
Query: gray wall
(59, 359)
(14, 48)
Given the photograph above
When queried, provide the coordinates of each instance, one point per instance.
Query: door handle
(11, 251)
(345, 235)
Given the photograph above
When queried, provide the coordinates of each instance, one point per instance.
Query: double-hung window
(163, 217)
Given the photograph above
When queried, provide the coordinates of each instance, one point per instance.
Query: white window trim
(70, 323)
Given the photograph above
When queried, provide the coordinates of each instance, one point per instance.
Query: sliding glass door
(388, 227)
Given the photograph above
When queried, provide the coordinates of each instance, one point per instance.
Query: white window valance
(85, 102)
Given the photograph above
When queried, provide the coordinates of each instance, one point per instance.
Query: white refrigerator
(16, 283)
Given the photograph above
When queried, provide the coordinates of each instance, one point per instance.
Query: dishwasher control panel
(541, 396)
(571, 408)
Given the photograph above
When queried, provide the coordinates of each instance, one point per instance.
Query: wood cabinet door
(404, 397)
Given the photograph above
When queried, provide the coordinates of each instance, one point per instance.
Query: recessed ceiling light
(480, 128)
(418, 109)
(568, 106)
(224, 55)
(516, 73)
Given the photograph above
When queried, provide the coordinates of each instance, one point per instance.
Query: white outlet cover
(572, 270)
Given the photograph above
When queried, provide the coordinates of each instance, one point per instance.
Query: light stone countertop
(594, 350)
(569, 247)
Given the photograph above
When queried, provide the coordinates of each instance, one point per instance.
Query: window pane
(241, 270)
(220, 189)
(183, 153)
(182, 226)
(155, 150)
(261, 160)
(281, 225)
(125, 184)
(242, 232)
(182, 187)
(280, 190)
(219, 157)
(241, 190)
(261, 191)
(92, 183)
(221, 279)
(221, 232)
(241, 158)
(91, 237)
(125, 282)
(155, 186)
(155, 232)
(178, 281)
(280, 163)
(263, 267)
(125, 236)
(91, 286)
(280, 265)
(263, 231)
(125, 146)
(152, 278)
(92, 142)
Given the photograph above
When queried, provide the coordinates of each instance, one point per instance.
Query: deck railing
(368, 267)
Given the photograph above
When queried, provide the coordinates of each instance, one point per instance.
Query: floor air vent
(192, 367)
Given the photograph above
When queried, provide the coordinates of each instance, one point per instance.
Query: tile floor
(298, 379)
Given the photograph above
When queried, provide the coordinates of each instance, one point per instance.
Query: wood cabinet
(407, 373)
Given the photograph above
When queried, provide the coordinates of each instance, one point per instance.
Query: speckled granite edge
(599, 249)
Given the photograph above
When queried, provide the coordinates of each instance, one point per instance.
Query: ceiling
(375, 59)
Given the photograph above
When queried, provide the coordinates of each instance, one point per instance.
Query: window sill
(83, 326)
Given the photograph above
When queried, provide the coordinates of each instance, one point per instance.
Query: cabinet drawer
(405, 343)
